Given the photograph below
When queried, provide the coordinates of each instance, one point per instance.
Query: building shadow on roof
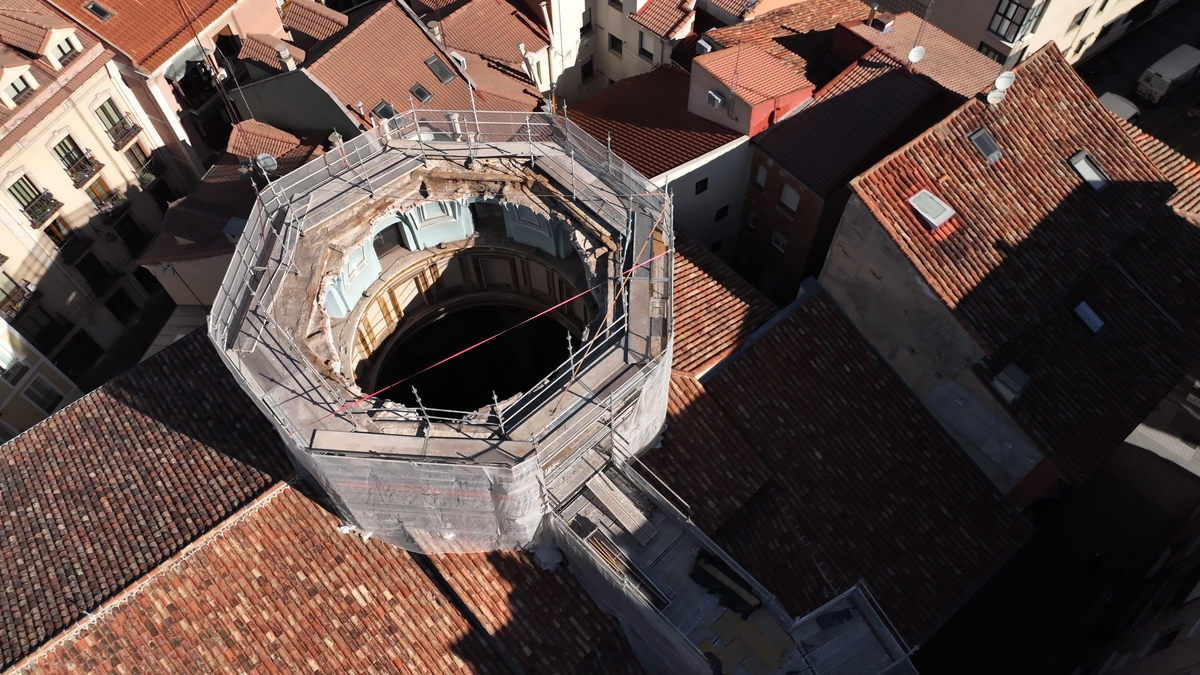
(815, 48)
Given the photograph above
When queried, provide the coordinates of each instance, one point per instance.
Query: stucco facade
(30, 386)
(711, 216)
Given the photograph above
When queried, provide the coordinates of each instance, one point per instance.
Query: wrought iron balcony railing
(42, 208)
(123, 132)
(113, 207)
(75, 246)
(83, 168)
(151, 171)
(12, 304)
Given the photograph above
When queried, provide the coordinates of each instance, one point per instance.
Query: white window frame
(35, 380)
(1089, 164)
(789, 194)
(760, 175)
(778, 241)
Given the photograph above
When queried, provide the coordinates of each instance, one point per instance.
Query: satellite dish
(916, 54)
(995, 96)
(1005, 80)
(266, 162)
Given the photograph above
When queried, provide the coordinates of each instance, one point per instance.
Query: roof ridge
(129, 592)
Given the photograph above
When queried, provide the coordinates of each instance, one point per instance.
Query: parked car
(1168, 73)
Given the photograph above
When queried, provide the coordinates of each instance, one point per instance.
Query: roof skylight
(98, 10)
(986, 145)
(421, 93)
(933, 210)
(1011, 381)
(1089, 170)
(440, 69)
(1085, 312)
(384, 110)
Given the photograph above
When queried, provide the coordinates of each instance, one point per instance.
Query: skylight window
(1011, 382)
(440, 69)
(383, 110)
(933, 210)
(421, 93)
(1089, 170)
(1089, 317)
(98, 11)
(986, 145)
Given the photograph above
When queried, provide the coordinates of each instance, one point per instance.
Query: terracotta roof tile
(544, 620)
(313, 18)
(492, 29)
(1027, 227)
(670, 19)
(1181, 171)
(799, 35)
(649, 121)
(28, 27)
(860, 470)
(715, 309)
(829, 141)
(105, 490)
(949, 62)
(261, 48)
(751, 73)
(251, 137)
(150, 33)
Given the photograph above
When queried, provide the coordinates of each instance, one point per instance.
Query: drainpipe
(555, 44)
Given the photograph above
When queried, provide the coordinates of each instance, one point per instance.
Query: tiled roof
(492, 29)
(704, 458)
(799, 35)
(251, 138)
(1181, 171)
(150, 33)
(650, 124)
(313, 18)
(27, 28)
(828, 142)
(544, 620)
(751, 73)
(715, 309)
(1028, 227)
(261, 48)
(278, 589)
(949, 62)
(861, 471)
(665, 18)
(340, 64)
(122, 479)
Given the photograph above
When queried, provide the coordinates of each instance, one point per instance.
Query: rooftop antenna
(915, 54)
(1000, 87)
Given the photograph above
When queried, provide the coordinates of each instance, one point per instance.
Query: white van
(1168, 73)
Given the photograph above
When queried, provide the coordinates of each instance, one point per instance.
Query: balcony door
(109, 115)
(24, 191)
(68, 151)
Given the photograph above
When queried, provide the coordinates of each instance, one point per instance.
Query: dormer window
(64, 52)
(1089, 170)
(18, 90)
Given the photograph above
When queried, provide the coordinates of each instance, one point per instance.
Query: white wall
(727, 169)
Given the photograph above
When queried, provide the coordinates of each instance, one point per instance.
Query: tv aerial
(1000, 87)
(916, 54)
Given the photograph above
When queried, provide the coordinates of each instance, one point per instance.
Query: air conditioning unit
(716, 100)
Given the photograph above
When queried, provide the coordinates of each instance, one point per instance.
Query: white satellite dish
(266, 162)
(995, 96)
(1005, 80)
(916, 54)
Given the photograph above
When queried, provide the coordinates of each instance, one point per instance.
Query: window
(702, 185)
(43, 394)
(24, 191)
(1013, 21)
(614, 43)
(760, 176)
(715, 99)
(933, 210)
(721, 213)
(778, 241)
(986, 145)
(1010, 382)
(12, 368)
(1084, 311)
(420, 93)
(587, 70)
(137, 156)
(1083, 43)
(1077, 21)
(1103, 4)
(751, 220)
(644, 47)
(586, 28)
(789, 198)
(1106, 30)
(986, 50)
(99, 11)
(121, 306)
(383, 110)
(58, 231)
(440, 69)
(386, 240)
(1161, 641)
(1089, 170)
(108, 114)
(616, 4)
(64, 52)
(99, 192)
(18, 90)
(68, 151)
(93, 271)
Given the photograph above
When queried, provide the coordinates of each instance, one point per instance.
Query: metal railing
(123, 131)
(151, 171)
(42, 208)
(586, 172)
(82, 168)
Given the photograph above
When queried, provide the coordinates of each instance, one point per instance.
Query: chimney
(435, 29)
(286, 62)
(884, 22)
(874, 8)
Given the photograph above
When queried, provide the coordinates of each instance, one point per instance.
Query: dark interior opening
(511, 363)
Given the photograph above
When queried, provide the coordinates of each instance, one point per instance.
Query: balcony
(17, 301)
(82, 169)
(123, 132)
(151, 171)
(75, 246)
(41, 209)
(112, 208)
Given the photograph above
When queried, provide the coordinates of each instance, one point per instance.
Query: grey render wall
(880, 290)
(727, 170)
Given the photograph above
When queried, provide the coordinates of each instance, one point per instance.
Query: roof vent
(1011, 382)
(1089, 170)
(703, 46)
(1085, 312)
(933, 210)
(459, 60)
(383, 110)
(421, 93)
(986, 145)
(440, 69)
(715, 99)
(98, 11)
(884, 22)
